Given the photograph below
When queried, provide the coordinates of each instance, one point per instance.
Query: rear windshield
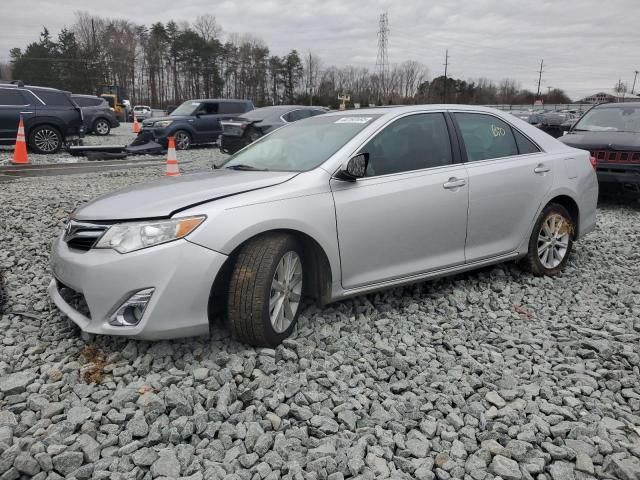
(610, 119)
(302, 145)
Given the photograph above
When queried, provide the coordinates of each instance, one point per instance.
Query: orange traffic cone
(172, 160)
(20, 151)
(136, 125)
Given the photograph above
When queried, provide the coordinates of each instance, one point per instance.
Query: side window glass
(208, 109)
(55, 99)
(486, 136)
(232, 107)
(410, 143)
(12, 97)
(525, 145)
(296, 115)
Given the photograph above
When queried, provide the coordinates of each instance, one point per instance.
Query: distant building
(609, 96)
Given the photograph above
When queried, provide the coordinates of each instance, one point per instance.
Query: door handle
(454, 183)
(23, 113)
(541, 168)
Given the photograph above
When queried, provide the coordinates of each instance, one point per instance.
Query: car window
(10, 96)
(410, 143)
(486, 136)
(302, 145)
(296, 115)
(610, 119)
(55, 99)
(525, 145)
(232, 107)
(317, 112)
(208, 108)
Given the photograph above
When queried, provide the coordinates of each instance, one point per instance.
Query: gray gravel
(493, 374)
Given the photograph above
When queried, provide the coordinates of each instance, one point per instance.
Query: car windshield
(610, 119)
(187, 108)
(301, 145)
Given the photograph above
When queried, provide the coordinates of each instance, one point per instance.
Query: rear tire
(45, 139)
(265, 290)
(551, 241)
(101, 127)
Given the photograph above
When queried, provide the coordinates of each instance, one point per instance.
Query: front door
(408, 215)
(207, 122)
(13, 104)
(509, 177)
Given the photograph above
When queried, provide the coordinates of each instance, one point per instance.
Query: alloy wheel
(553, 240)
(286, 291)
(46, 140)
(102, 127)
(182, 141)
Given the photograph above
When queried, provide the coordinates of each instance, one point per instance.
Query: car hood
(165, 197)
(625, 141)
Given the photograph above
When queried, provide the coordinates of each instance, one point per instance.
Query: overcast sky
(587, 45)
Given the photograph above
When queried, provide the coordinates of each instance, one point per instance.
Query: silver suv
(324, 208)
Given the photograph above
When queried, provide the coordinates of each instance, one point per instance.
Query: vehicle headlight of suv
(163, 123)
(128, 237)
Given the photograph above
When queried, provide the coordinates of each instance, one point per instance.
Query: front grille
(74, 299)
(607, 156)
(83, 236)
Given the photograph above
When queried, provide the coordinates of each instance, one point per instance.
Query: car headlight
(163, 123)
(128, 237)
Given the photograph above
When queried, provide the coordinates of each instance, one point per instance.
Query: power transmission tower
(446, 67)
(540, 78)
(635, 77)
(382, 63)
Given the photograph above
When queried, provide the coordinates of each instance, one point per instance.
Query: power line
(446, 67)
(540, 78)
(382, 62)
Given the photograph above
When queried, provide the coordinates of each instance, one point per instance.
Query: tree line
(167, 63)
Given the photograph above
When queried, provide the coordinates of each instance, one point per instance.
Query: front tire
(551, 241)
(182, 139)
(45, 139)
(101, 127)
(265, 290)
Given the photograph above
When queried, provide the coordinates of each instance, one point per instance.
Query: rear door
(62, 111)
(508, 178)
(13, 103)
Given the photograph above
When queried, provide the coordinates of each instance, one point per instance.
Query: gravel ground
(493, 374)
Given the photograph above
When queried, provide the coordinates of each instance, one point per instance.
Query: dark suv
(193, 122)
(51, 118)
(98, 116)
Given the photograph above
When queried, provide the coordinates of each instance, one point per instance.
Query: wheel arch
(317, 279)
(572, 207)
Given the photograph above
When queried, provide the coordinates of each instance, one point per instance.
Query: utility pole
(540, 78)
(634, 81)
(310, 82)
(446, 67)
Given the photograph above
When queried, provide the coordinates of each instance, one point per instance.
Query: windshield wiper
(242, 166)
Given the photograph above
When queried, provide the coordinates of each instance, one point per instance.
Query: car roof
(618, 105)
(82, 95)
(228, 100)
(395, 110)
(30, 87)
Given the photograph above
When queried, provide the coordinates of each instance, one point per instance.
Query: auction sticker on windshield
(353, 120)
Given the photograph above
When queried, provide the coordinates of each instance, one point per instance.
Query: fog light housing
(132, 310)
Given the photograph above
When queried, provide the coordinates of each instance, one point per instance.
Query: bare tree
(311, 76)
(207, 26)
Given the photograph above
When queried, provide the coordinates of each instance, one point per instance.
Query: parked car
(611, 132)
(239, 132)
(51, 118)
(328, 207)
(142, 111)
(98, 117)
(194, 122)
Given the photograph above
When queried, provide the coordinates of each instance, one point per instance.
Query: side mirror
(356, 168)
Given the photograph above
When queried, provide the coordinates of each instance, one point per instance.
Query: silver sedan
(333, 206)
